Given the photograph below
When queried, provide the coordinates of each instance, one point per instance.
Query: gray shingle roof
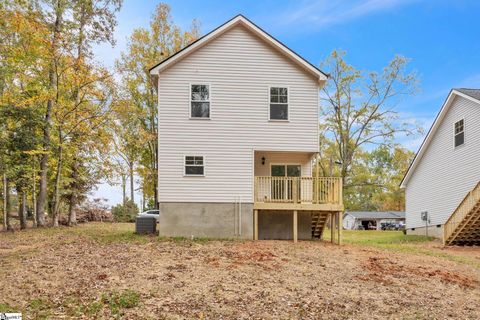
(377, 214)
(474, 93)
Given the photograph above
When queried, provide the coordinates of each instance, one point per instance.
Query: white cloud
(323, 13)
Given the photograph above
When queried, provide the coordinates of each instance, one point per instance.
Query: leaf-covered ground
(105, 271)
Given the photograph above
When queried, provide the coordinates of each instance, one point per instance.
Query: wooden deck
(320, 195)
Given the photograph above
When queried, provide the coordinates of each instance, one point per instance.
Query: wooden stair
(463, 226)
(319, 219)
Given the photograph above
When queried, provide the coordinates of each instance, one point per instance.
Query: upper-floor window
(200, 101)
(459, 133)
(194, 166)
(278, 103)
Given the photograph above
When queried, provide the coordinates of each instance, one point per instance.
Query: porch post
(317, 180)
(295, 226)
(255, 224)
(332, 227)
(340, 227)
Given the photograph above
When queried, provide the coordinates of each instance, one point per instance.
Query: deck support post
(340, 227)
(255, 224)
(295, 226)
(332, 227)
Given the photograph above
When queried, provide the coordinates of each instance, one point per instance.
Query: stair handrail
(461, 210)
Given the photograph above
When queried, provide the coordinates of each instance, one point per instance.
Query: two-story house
(442, 185)
(238, 134)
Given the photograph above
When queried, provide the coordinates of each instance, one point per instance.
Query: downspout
(240, 217)
(235, 216)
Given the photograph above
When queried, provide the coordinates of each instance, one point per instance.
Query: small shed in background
(355, 220)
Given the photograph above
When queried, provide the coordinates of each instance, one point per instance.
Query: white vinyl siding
(303, 159)
(445, 174)
(240, 68)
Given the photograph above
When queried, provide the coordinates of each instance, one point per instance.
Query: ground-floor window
(194, 166)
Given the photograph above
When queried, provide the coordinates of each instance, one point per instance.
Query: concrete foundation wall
(433, 231)
(221, 220)
(279, 225)
(206, 220)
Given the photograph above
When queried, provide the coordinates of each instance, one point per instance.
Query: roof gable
(236, 21)
(469, 94)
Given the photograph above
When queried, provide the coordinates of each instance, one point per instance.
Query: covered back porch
(286, 183)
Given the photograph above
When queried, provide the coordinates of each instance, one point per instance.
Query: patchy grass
(4, 307)
(75, 308)
(100, 232)
(411, 244)
(380, 238)
(110, 233)
(84, 272)
(118, 301)
(40, 308)
(116, 233)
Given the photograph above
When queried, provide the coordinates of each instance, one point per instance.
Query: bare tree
(359, 107)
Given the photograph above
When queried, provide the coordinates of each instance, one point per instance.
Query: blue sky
(440, 37)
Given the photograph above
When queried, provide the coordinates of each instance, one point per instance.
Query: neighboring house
(442, 181)
(238, 132)
(354, 220)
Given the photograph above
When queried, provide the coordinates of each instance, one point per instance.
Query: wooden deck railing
(467, 204)
(308, 190)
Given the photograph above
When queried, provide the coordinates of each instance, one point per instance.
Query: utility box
(145, 225)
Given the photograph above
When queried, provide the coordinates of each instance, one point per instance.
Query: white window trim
(185, 165)
(464, 134)
(288, 103)
(190, 100)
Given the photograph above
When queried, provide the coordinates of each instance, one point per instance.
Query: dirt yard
(102, 270)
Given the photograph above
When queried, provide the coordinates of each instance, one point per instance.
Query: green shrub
(125, 213)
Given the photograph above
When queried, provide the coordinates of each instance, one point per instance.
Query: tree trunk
(8, 204)
(34, 196)
(72, 214)
(52, 84)
(124, 189)
(132, 190)
(58, 177)
(22, 209)
(5, 204)
(42, 195)
(72, 200)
